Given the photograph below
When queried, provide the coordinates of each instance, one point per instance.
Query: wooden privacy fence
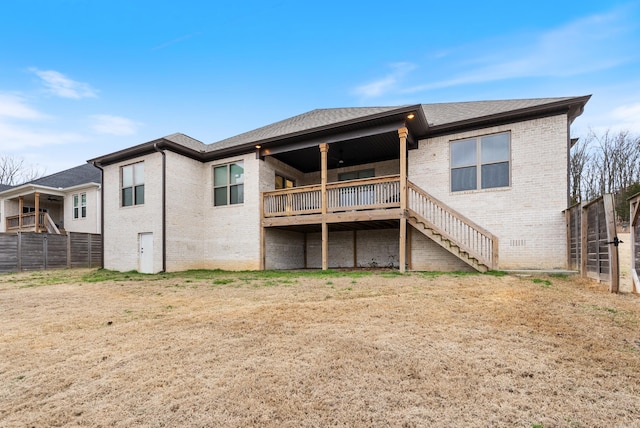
(37, 251)
(591, 233)
(635, 240)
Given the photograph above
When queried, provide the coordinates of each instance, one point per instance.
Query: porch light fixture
(258, 146)
(411, 116)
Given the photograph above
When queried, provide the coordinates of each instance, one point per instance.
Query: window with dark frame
(481, 163)
(132, 179)
(356, 175)
(228, 184)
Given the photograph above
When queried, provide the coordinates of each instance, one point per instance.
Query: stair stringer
(441, 238)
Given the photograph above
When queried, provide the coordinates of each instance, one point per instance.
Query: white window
(80, 205)
(228, 184)
(481, 163)
(132, 179)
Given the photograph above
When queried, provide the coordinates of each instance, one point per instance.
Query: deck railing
(45, 223)
(457, 228)
(364, 194)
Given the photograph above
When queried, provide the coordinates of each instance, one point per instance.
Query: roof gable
(448, 113)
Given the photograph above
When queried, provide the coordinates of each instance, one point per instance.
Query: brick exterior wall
(284, 249)
(186, 204)
(527, 216)
(426, 255)
(371, 248)
(124, 224)
(231, 234)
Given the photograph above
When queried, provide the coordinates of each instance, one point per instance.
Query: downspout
(164, 206)
(97, 165)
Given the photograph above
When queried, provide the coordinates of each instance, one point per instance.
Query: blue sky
(82, 78)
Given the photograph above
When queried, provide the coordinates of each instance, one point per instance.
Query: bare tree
(16, 171)
(605, 163)
(578, 164)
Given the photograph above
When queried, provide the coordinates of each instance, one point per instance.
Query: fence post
(614, 264)
(583, 240)
(68, 250)
(89, 249)
(45, 251)
(19, 266)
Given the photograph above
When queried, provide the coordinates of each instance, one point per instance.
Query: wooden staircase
(451, 230)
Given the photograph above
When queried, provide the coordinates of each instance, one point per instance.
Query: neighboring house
(452, 186)
(68, 201)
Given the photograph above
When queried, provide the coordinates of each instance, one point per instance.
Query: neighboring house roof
(431, 119)
(82, 174)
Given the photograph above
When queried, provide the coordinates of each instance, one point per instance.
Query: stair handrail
(50, 225)
(489, 256)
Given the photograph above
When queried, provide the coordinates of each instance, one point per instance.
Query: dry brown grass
(245, 349)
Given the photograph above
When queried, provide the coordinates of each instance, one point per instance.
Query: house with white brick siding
(451, 186)
(67, 201)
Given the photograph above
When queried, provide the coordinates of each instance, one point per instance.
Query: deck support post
(324, 149)
(403, 133)
(263, 252)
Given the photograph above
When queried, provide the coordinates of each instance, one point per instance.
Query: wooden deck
(27, 223)
(369, 199)
(377, 202)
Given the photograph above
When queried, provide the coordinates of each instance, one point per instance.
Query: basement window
(480, 163)
(132, 179)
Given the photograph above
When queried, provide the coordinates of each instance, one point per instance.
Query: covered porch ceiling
(358, 151)
(44, 195)
(355, 144)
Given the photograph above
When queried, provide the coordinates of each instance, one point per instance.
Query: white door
(146, 253)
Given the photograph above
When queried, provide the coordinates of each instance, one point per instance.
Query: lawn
(302, 349)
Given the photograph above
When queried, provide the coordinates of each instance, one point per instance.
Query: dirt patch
(343, 349)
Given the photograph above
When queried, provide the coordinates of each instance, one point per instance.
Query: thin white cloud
(385, 84)
(113, 125)
(60, 85)
(13, 137)
(589, 44)
(174, 41)
(15, 107)
(626, 118)
(19, 126)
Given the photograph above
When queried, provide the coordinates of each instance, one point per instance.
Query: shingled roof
(82, 174)
(431, 119)
(304, 122)
(437, 115)
(451, 113)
